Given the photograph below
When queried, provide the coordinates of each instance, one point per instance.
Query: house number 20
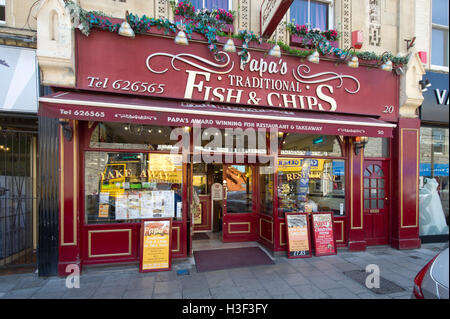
(388, 109)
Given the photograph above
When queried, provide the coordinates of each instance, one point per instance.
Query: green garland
(86, 20)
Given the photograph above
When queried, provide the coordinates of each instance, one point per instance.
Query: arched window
(113, 135)
(309, 144)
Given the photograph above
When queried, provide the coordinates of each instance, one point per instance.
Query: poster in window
(198, 214)
(121, 206)
(163, 203)
(134, 206)
(103, 210)
(104, 198)
(298, 236)
(323, 233)
(146, 205)
(155, 245)
(169, 203)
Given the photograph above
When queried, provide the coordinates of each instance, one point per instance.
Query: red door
(239, 218)
(376, 202)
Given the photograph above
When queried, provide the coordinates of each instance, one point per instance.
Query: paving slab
(341, 293)
(138, 294)
(20, 293)
(312, 278)
(310, 291)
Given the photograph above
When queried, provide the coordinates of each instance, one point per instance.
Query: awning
(129, 109)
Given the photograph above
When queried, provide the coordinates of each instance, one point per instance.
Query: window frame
(86, 147)
(123, 221)
(345, 180)
(330, 17)
(3, 4)
(230, 5)
(440, 27)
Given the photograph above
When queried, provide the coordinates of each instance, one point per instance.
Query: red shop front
(151, 135)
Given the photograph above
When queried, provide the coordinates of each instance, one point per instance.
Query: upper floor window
(315, 14)
(439, 35)
(2, 11)
(212, 4)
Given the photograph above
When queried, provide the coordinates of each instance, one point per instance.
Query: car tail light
(419, 278)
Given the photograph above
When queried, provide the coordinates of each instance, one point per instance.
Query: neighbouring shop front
(19, 91)
(152, 135)
(434, 160)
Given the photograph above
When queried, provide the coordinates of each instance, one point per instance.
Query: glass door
(239, 203)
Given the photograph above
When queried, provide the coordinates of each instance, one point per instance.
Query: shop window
(309, 144)
(439, 34)
(112, 135)
(434, 181)
(311, 185)
(315, 14)
(2, 12)
(212, 4)
(125, 187)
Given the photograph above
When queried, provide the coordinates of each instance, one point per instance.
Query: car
(432, 280)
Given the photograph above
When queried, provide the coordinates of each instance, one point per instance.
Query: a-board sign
(298, 237)
(323, 233)
(155, 244)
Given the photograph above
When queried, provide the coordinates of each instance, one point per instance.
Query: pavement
(304, 278)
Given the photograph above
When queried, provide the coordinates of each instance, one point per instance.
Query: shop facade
(434, 157)
(151, 133)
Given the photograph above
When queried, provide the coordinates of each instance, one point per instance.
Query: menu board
(155, 245)
(134, 205)
(145, 204)
(121, 206)
(323, 233)
(298, 237)
(163, 203)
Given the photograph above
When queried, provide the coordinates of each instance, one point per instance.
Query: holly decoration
(314, 39)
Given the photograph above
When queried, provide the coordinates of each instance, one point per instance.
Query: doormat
(199, 236)
(386, 286)
(218, 259)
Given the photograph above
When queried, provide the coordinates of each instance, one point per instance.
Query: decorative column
(69, 235)
(406, 159)
(356, 240)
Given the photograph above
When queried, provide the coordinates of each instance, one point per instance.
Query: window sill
(440, 68)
